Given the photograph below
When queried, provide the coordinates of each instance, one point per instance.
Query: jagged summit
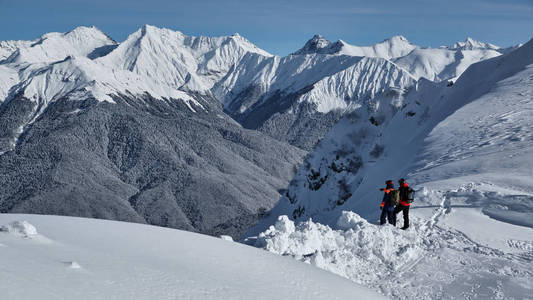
(471, 44)
(317, 44)
(393, 47)
(180, 61)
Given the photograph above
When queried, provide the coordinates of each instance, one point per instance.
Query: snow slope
(442, 64)
(466, 149)
(49, 257)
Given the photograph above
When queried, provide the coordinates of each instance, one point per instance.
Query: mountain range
(197, 133)
(464, 147)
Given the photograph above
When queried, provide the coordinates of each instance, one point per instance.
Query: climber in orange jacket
(387, 207)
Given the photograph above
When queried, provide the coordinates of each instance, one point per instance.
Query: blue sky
(281, 27)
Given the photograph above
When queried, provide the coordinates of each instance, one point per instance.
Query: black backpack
(395, 197)
(410, 195)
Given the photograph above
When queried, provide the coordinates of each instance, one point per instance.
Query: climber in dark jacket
(387, 208)
(404, 204)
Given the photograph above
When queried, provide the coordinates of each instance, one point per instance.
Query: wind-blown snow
(20, 228)
(424, 262)
(94, 259)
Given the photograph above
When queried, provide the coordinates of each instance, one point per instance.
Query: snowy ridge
(229, 67)
(8, 47)
(396, 46)
(55, 46)
(471, 44)
(180, 61)
(278, 74)
(442, 64)
(465, 148)
(80, 77)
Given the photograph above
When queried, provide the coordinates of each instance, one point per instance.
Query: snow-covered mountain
(397, 46)
(324, 80)
(199, 133)
(465, 148)
(50, 257)
(177, 60)
(51, 47)
(89, 103)
(280, 96)
(471, 44)
(84, 134)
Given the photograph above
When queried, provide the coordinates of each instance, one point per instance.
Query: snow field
(96, 259)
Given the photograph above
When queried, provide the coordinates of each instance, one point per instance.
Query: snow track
(428, 260)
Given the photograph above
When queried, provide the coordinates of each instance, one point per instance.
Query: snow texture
(20, 228)
(96, 259)
(424, 262)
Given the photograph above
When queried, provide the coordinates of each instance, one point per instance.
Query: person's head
(402, 182)
(389, 183)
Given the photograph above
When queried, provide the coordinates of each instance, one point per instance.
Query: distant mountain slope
(396, 46)
(476, 131)
(324, 80)
(144, 160)
(55, 46)
(180, 61)
(82, 136)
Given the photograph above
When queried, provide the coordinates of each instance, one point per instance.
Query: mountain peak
(471, 44)
(398, 38)
(317, 44)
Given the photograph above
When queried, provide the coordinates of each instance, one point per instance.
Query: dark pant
(405, 210)
(387, 213)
